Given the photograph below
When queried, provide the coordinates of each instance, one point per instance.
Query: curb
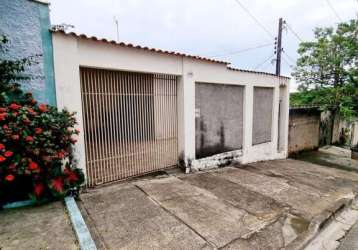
(318, 223)
(18, 204)
(82, 233)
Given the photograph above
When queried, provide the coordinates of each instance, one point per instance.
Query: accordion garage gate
(130, 123)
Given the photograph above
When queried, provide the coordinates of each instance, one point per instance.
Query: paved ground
(43, 227)
(331, 156)
(350, 242)
(266, 205)
(336, 157)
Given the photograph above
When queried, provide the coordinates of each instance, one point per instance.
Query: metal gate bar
(130, 123)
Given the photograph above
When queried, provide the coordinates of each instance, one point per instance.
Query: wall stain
(209, 150)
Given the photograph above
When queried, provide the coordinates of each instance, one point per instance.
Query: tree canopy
(327, 69)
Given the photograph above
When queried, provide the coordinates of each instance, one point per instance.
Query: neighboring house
(26, 23)
(142, 109)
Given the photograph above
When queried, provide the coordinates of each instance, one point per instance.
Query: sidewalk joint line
(176, 217)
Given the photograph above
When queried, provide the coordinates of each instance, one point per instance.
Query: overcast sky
(206, 27)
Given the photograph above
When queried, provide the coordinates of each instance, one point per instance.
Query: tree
(327, 70)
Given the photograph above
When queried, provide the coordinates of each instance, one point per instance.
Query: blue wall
(27, 23)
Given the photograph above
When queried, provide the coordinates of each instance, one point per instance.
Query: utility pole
(279, 47)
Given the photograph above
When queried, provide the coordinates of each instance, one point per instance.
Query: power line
(254, 18)
(267, 66)
(243, 50)
(334, 11)
(293, 32)
(262, 63)
(287, 62)
(289, 57)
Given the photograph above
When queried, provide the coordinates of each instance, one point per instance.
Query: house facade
(143, 109)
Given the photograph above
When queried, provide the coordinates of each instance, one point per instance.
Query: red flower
(5, 126)
(3, 116)
(33, 101)
(14, 106)
(73, 141)
(57, 184)
(67, 171)
(8, 153)
(72, 177)
(10, 177)
(33, 166)
(43, 107)
(29, 138)
(2, 110)
(15, 137)
(2, 158)
(31, 111)
(77, 131)
(2, 146)
(38, 130)
(61, 154)
(38, 189)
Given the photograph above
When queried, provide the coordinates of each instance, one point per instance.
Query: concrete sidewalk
(266, 205)
(42, 227)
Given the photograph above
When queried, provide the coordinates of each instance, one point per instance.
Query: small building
(143, 109)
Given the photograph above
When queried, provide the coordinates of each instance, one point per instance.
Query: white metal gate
(130, 123)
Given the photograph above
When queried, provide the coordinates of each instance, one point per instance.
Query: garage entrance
(130, 123)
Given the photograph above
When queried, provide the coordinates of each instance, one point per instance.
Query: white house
(143, 109)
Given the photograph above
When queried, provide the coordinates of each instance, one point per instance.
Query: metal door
(130, 123)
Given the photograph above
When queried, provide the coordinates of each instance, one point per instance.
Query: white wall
(354, 140)
(218, 73)
(68, 91)
(71, 52)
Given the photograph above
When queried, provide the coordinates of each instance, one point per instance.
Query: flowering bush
(35, 144)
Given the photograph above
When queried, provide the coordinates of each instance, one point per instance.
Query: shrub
(36, 141)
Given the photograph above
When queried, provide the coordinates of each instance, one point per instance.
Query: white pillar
(186, 115)
(275, 119)
(248, 119)
(68, 89)
(285, 96)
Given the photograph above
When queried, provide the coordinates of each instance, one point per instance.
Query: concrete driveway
(266, 205)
